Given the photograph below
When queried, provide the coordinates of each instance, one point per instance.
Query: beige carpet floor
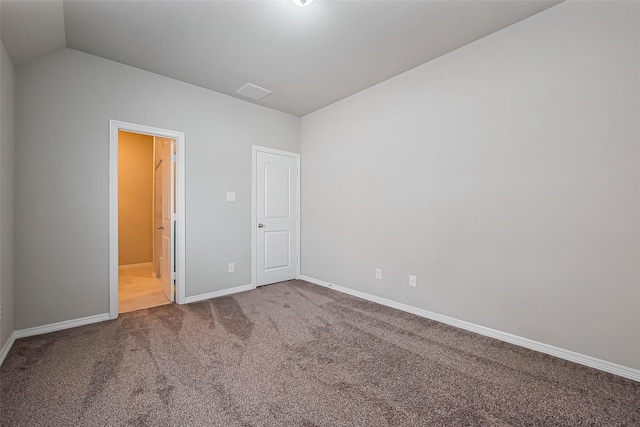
(295, 354)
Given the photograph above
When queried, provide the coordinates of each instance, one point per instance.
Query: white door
(157, 215)
(167, 268)
(276, 215)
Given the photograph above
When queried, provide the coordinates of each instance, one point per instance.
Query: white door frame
(114, 127)
(254, 223)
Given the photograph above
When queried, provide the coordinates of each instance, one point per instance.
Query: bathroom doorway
(146, 232)
(145, 209)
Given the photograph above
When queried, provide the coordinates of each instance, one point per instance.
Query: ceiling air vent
(252, 91)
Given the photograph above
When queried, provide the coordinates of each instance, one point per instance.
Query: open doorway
(146, 207)
(146, 217)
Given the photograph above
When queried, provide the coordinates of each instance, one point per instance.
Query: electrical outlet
(378, 273)
(231, 196)
(232, 267)
(412, 281)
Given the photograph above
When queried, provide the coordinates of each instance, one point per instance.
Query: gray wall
(63, 105)
(505, 175)
(7, 141)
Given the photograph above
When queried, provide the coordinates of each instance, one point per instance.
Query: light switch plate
(231, 196)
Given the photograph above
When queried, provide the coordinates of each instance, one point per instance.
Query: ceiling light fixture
(302, 2)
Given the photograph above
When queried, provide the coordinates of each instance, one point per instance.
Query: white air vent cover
(252, 91)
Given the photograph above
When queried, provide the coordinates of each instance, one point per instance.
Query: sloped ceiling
(309, 57)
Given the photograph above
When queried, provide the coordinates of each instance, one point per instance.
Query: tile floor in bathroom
(138, 289)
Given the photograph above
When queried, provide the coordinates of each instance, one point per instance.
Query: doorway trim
(114, 127)
(254, 182)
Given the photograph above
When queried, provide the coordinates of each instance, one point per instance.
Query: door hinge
(173, 216)
(173, 276)
(173, 157)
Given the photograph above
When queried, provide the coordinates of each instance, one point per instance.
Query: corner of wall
(7, 157)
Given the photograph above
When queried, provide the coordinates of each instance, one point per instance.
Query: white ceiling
(31, 29)
(309, 57)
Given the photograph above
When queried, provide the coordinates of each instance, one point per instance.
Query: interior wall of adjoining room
(64, 102)
(505, 175)
(135, 198)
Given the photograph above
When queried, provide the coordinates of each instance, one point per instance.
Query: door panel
(276, 249)
(157, 219)
(277, 192)
(167, 220)
(276, 205)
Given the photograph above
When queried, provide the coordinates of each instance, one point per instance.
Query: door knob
(260, 225)
(160, 227)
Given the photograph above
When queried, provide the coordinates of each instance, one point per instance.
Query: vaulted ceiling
(309, 57)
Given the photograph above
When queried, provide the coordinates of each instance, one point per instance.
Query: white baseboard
(67, 324)
(142, 264)
(7, 347)
(572, 356)
(39, 330)
(216, 294)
